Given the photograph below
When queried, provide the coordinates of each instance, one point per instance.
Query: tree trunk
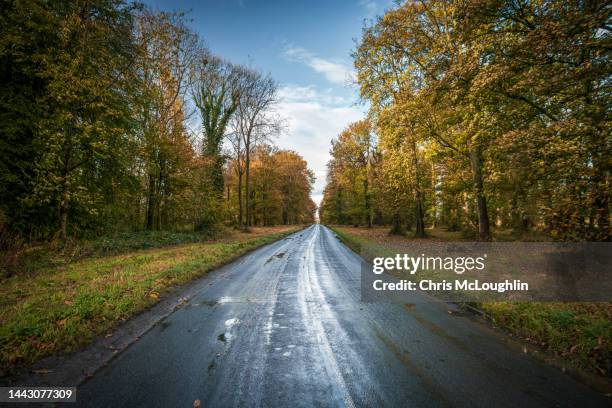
(254, 213)
(481, 201)
(397, 228)
(160, 200)
(418, 208)
(434, 222)
(366, 197)
(247, 181)
(151, 203)
(418, 216)
(598, 139)
(240, 199)
(65, 196)
(63, 212)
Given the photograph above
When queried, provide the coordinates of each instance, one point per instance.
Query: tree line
(115, 117)
(486, 114)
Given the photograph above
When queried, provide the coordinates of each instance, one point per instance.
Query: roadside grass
(577, 332)
(32, 259)
(64, 307)
(580, 332)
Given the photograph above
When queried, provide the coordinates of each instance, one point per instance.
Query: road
(284, 326)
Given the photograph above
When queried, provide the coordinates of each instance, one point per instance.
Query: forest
(486, 117)
(114, 117)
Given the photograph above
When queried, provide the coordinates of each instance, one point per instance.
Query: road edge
(598, 383)
(75, 368)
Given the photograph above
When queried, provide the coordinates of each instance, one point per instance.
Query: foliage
(281, 184)
(97, 105)
(488, 114)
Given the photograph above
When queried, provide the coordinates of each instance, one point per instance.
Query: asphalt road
(284, 326)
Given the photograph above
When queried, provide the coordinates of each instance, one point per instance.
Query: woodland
(114, 117)
(486, 117)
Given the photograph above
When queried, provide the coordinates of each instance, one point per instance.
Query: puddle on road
(279, 255)
(226, 336)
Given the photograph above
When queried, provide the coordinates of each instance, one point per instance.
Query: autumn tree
(352, 154)
(168, 52)
(97, 106)
(281, 184)
(551, 60)
(492, 113)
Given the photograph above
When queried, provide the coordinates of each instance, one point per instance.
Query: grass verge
(62, 308)
(30, 260)
(578, 332)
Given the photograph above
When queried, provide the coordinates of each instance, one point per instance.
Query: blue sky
(306, 46)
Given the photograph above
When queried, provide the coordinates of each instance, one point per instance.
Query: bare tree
(237, 148)
(254, 122)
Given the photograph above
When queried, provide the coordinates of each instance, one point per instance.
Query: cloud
(314, 118)
(309, 93)
(370, 6)
(376, 7)
(334, 71)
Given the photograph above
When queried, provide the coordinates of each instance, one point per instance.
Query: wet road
(284, 326)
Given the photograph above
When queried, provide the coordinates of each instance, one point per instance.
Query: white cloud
(334, 71)
(314, 117)
(297, 93)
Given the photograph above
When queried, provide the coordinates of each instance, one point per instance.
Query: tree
(552, 60)
(168, 52)
(416, 53)
(254, 122)
(78, 56)
(491, 113)
(281, 184)
(96, 107)
(216, 95)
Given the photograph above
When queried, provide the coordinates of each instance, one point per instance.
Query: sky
(306, 46)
